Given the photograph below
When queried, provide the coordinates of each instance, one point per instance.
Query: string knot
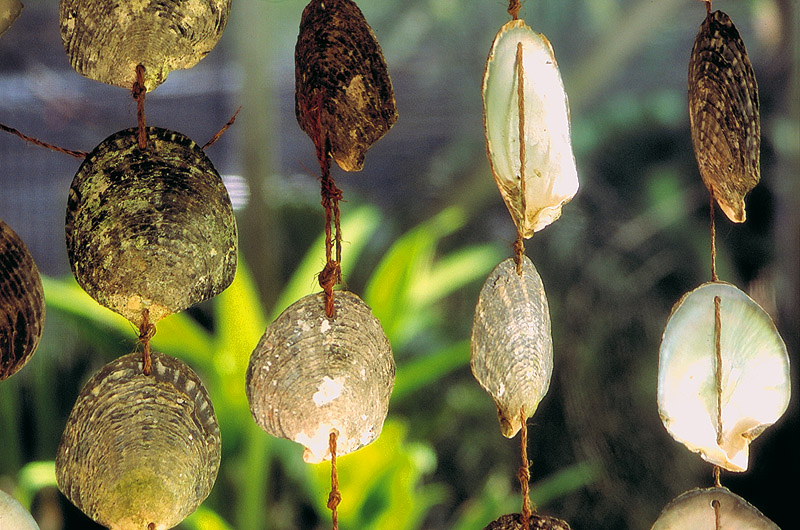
(146, 332)
(513, 8)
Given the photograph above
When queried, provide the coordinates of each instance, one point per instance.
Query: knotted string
(335, 496)
(524, 474)
(138, 92)
(146, 332)
(513, 8)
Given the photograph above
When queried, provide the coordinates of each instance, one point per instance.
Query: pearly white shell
(13, 516)
(550, 176)
(755, 374)
(694, 509)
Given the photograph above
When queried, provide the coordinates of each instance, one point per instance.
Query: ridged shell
(105, 41)
(723, 112)
(512, 349)
(551, 177)
(9, 12)
(513, 521)
(21, 303)
(310, 375)
(140, 449)
(755, 374)
(13, 516)
(694, 510)
(339, 65)
(150, 229)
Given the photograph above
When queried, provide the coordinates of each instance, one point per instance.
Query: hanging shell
(755, 374)
(21, 303)
(550, 177)
(723, 112)
(341, 82)
(13, 516)
(140, 449)
(694, 509)
(513, 521)
(105, 41)
(9, 12)
(310, 375)
(512, 349)
(150, 229)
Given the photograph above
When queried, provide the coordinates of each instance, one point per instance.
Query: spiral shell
(694, 509)
(754, 375)
(150, 229)
(342, 85)
(723, 112)
(105, 41)
(311, 375)
(140, 449)
(13, 516)
(21, 303)
(9, 12)
(513, 521)
(512, 349)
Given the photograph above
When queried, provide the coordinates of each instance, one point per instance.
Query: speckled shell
(13, 516)
(140, 449)
(21, 303)
(150, 229)
(105, 40)
(310, 375)
(756, 385)
(723, 112)
(694, 510)
(513, 521)
(339, 64)
(9, 12)
(550, 176)
(512, 349)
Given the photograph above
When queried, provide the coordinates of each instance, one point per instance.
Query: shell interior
(140, 449)
(550, 176)
(150, 228)
(755, 388)
(512, 348)
(694, 509)
(310, 375)
(13, 516)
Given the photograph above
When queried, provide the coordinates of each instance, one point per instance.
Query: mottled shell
(723, 113)
(9, 12)
(341, 81)
(512, 349)
(150, 229)
(13, 516)
(105, 40)
(755, 382)
(310, 375)
(695, 509)
(513, 521)
(140, 449)
(550, 177)
(21, 303)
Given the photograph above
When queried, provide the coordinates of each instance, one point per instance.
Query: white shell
(694, 509)
(551, 178)
(13, 516)
(755, 374)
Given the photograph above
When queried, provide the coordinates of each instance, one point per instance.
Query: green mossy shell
(513, 521)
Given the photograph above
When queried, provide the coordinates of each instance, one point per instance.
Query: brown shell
(513, 521)
(723, 112)
(695, 509)
(9, 12)
(140, 449)
(310, 375)
(21, 303)
(105, 40)
(512, 349)
(150, 229)
(341, 81)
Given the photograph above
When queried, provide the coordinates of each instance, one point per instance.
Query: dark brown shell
(140, 449)
(723, 112)
(513, 521)
(150, 229)
(105, 40)
(341, 81)
(310, 375)
(21, 303)
(512, 349)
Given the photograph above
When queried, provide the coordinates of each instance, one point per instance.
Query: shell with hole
(754, 375)
(21, 303)
(105, 41)
(150, 229)
(521, 71)
(140, 449)
(696, 509)
(13, 516)
(311, 375)
(512, 348)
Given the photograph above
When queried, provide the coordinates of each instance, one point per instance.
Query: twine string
(222, 131)
(519, 252)
(335, 496)
(519, 245)
(714, 276)
(138, 92)
(524, 474)
(717, 515)
(513, 8)
(146, 332)
(708, 6)
(36, 141)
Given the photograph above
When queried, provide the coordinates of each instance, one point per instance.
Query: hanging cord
(335, 496)
(36, 141)
(524, 474)
(146, 332)
(714, 277)
(519, 252)
(519, 244)
(708, 6)
(222, 131)
(138, 92)
(718, 376)
(513, 8)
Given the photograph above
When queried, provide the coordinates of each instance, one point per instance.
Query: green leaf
(205, 519)
(33, 477)
(428, 369)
